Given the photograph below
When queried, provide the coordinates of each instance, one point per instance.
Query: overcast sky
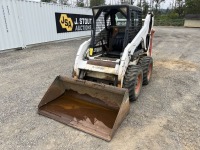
(165, 4)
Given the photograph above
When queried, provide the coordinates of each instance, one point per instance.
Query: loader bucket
(94, 108)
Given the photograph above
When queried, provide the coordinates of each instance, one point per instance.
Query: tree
(157, 5)
(139, 4)
(145, 7)
(47, 1)
(180, 6)
(192, 6)
(96, 2)
(80, 3)
(64, 2)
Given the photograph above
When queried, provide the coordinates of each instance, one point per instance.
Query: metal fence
(24, 23)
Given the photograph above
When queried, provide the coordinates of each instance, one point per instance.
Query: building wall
(25, 23)
(192, 23)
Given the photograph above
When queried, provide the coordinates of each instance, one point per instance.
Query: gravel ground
(166, 115)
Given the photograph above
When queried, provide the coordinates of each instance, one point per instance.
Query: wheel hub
(138, 84)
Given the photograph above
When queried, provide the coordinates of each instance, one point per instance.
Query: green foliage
(157, 5)
(47, 1)
(80, 3)
(139, 4)
(192, 6)
(145, 7)
(169, 19)
(64, 2)
(169, 22)
(173, 15)
(96, 2)
(180, 7)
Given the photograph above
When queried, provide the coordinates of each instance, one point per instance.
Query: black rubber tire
(132, 75)
(147, 67)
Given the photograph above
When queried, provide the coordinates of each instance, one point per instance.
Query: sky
(164, 5)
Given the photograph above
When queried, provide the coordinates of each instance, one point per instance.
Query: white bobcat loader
(109, 71)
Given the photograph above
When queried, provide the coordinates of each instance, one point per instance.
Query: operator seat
(116, 42)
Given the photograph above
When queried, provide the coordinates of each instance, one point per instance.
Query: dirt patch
(179, 65)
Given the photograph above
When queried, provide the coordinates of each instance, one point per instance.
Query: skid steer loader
(109, 71)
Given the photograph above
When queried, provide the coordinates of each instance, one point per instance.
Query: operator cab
(113, 28)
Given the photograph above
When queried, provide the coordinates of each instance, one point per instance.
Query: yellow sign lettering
(65, 22)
